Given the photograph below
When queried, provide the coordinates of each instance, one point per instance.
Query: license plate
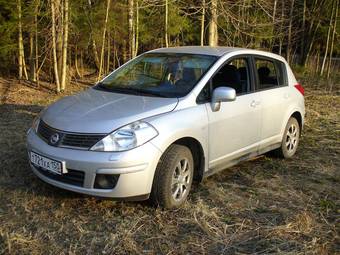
(48, 164)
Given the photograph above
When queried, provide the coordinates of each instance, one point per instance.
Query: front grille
(73, 177)
(82, 141)
(66, 139)
(45, 131)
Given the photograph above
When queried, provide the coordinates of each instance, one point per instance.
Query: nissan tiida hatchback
(166, 118)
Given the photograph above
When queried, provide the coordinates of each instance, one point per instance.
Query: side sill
(235, 161)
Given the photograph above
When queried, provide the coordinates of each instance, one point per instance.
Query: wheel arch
(197, 152)
(297, 114)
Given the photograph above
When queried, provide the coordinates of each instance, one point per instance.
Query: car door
(272, 88)
(234, 129)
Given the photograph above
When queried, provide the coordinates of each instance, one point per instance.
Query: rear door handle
(254, 103)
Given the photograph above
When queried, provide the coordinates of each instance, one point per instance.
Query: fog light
(106, 181)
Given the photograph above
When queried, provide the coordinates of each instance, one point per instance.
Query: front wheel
(173, 177)
(290, 140)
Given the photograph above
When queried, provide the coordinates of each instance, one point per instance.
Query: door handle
(254, 103)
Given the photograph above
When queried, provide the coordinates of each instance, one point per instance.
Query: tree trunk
(166, 35)
(114, 50)
(32, 76)
(281, 26)
(36, 58)
(327, 43)
(317, 61)
(21, 57)
(59, 33)
(93, 41)
(103, 40)
(303, 37)
(54, 47)
(81, 64)
(131, 28)
(65, 42)
(137, 29)
(289, 43)
(213, 33)
(108, 52)
(202, 22)
(76, 61)
(333, 38)
(311, 43)
(272, 40)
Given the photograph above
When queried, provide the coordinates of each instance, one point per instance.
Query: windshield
(158, 74)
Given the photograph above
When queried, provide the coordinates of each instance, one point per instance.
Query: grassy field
(262, 206)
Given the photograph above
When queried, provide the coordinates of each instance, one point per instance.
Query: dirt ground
(263, 206)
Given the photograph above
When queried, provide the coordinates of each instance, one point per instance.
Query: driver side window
(234, 74)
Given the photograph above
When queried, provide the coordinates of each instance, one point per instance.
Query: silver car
(166, 118)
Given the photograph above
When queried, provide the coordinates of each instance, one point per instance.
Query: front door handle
(254, 103)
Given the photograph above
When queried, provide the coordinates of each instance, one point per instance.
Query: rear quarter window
(271, 73)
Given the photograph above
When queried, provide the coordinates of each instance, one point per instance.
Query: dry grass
(262, 206)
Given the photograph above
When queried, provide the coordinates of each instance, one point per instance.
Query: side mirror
(222, 94)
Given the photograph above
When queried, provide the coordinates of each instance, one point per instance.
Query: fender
(179, 124)
(289, 114)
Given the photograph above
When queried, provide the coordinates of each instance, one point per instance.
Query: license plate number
(46, 163)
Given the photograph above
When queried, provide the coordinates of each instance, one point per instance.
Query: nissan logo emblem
(54, 138)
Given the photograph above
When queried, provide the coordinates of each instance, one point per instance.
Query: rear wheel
(173, 177)
(290, 140)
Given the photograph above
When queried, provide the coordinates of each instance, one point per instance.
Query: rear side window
(270, 73)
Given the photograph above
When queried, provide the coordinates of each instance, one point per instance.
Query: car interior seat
(228, 76)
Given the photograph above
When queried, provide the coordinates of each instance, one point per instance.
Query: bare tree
(166, 20)
(137, 30)
(108, 52)
(36, 51)
(59, 15)
(213, 33)
(202, 22)
(333, 39)
(32, 73)
(289, 43)
(21, 57)
(65, 42)
(54, 47)
(103, 39)
(327, 42)
(93, 41)
(131, 28)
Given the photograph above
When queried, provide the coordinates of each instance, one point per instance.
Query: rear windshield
(159, 74)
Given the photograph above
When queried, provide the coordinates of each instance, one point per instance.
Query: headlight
(127, 137)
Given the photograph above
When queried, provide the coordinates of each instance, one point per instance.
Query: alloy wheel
(181, 180)
(292, 138)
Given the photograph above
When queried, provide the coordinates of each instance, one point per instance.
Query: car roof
(213, 51)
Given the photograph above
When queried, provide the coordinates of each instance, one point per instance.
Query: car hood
(96, 111)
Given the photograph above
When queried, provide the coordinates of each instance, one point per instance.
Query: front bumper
(135, 168)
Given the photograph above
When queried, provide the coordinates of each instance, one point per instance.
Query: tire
(290, 140)
(173, 177)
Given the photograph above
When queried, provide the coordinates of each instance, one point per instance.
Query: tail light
(300, 89)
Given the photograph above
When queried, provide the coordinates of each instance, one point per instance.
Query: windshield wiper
(129, 90)
(149, 92)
